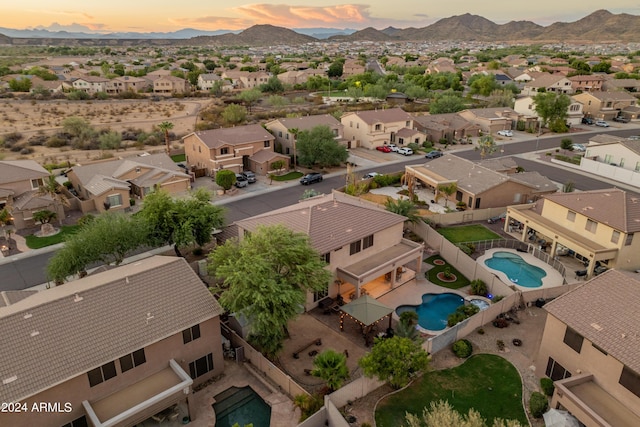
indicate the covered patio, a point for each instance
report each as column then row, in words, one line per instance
column 368, row 313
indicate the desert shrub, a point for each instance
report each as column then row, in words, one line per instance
column 566, row 143
column 387, row 180
column 538, row 404
column 478, row 287
column 498, row 298
column 55, row 141
column 67, row 184
column 467, row 248
column 415, row 147
column 85, row 219
column 26, row 150
column 462, row 348
column 500, row 345
column 12, row 138
column 463, row 312
column 77, row 95
column 427, row 144
column 481, row 331
column 37, row 140
column 546, row 384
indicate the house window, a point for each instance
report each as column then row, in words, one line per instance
column 628, row 240
column 401, row 141
column 571, row 216
column 378, row 126
column 191, row 334
column 350, row 124
column 132, row 360
column 101, row 374
column 267, row 144
column 637, row 168
column 114, row 200
column 279, row 134
column 367, row 242
column 355, row 247
column 417, row 140
column 326, row 257
column 574, row 108
column 615, row 236
column 224, row 150
column 608, row 158
column 318, row 295
column 591, row 226
column 630, row 380
column 78, row 422
column 36, row 183
column 199, row 149
column 201, row 366
column 335, row 132
column 407, row 124
column 573, row 339
column 556, row 371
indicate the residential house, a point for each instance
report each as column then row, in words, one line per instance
column 629, row 85
column 109, row 185
column 358, row 252
column 526, row 106
column 51, row 86
column 450, row 127
column 441, row 65
column 589, row 349
column 597, row 227
column 20, row 184
column 208, row 81
column 352, row 67
column 613, row 158
column 171, row 84
column 480, row 186
column 515, row 61
column 556, row 83
column 373, row 128
column 285, row 130
column 90, row 84
column 587, row 82
column 299, row 77
column 246, row 79
column 605, row 105
column 123, row 84
column 249, row 147
column 491, row 120
column 111, row 349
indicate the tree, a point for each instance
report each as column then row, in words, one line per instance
column 277, row 165
column 273, row 85
column 406, row 327
column 318, row 147
column 442, row 414
column 225, row 179
column 81, row 131
column 50, row 187
column 446, row 104
column 551, row 106
column 180, row 222
column 265, row 276
column 44, row 216
column 110, row 140
column 331, row 366
column 250, row 96
column 165, row 127
column 394, row 360
column 234, row 114
column 500, row 98
column 487, row 146
column 336, row 68
column 22, row 84
column 481, row 84
column 448, row 190
column 404, row 207
column 566, row 144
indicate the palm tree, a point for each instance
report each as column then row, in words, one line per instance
column 44, row 216
column 51, row 187
column 487, row 146
column 165, row 127
column 5, row 218
column 331, row 366
column 406, row 328
column 448, row 190
column 404, row 207
column 294, row 133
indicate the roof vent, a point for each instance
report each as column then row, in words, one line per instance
column 77, row 298
column 596, row 326
column 27, row 316
column 149, row 317
column 35, row 333
column 126, row 280
column 9, row 380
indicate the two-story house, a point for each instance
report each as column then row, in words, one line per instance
column 357, row 251
column 90, row 84
column 556, row 83
column 110, row 349
column 206, row 81
column 491, row 120
column 20, row 184
column 590, row 348
column 374, row 128
column 171, row 84
column 285, row 130
column 239, row 148
column 597, row 227
column 605, row 105
column 448, row 126
column 124, row 84
column 587, row 82
column 526, row 106
column 352, row 67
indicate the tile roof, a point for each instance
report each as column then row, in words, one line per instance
column 60, row 333
column 605, row 311
column 32, row 200
column 384, row 116
column 613, row 207
column 266, row 155
column 308, row 122
column 331, row 221
column 237, row 135
column 20, row 170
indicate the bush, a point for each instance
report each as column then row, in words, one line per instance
column 461, row 313
column 546, row 384
column 498, row 298
column 478, row 287
column 566, row 144
column 427, row 144
column 415, row 147
column 538, row 404
column 462, row 348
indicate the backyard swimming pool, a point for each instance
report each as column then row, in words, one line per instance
column 516, row 269
column 243, row 406
column 434, row 310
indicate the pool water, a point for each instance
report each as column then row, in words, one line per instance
column 242, row 406
column 517, row 269
column 434, row 310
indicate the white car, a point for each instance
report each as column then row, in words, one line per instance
column 602, row 123
column 370, row 175
column 505, row 132
column 405, row 151
column 578, row 147
column 393, row 147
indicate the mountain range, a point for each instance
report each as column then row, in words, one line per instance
column 599, row 27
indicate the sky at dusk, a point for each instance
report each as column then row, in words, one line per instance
column 172, row 15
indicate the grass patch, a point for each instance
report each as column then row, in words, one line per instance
column 179, row 158
column 35, row 242
column 468, row 233
column 487, row 383
column 287, row 176
column 432, row 274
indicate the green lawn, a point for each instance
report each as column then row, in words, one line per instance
column 468, row 233
column 179, row 158
column 35, row 242
column 287, row 177
column 432, row 274
column 488, row 383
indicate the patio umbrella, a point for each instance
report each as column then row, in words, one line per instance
column 558, row 418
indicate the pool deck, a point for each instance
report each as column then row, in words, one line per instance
column 552, row 279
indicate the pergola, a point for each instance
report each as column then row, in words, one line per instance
column 365, row 311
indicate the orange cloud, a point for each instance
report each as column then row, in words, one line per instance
column 306, row 16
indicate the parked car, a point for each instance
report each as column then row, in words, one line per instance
column 393, row 147
column 383, row 148
column 587, row 121
column 310, row 178
column 602, row 123
column 505, row 132
column 405, row 151
column 634, row 138
column 621, row 119
column 249, row 176
column 241, row 181
column 578, row 147
column 433, row 154
column 370, row 175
